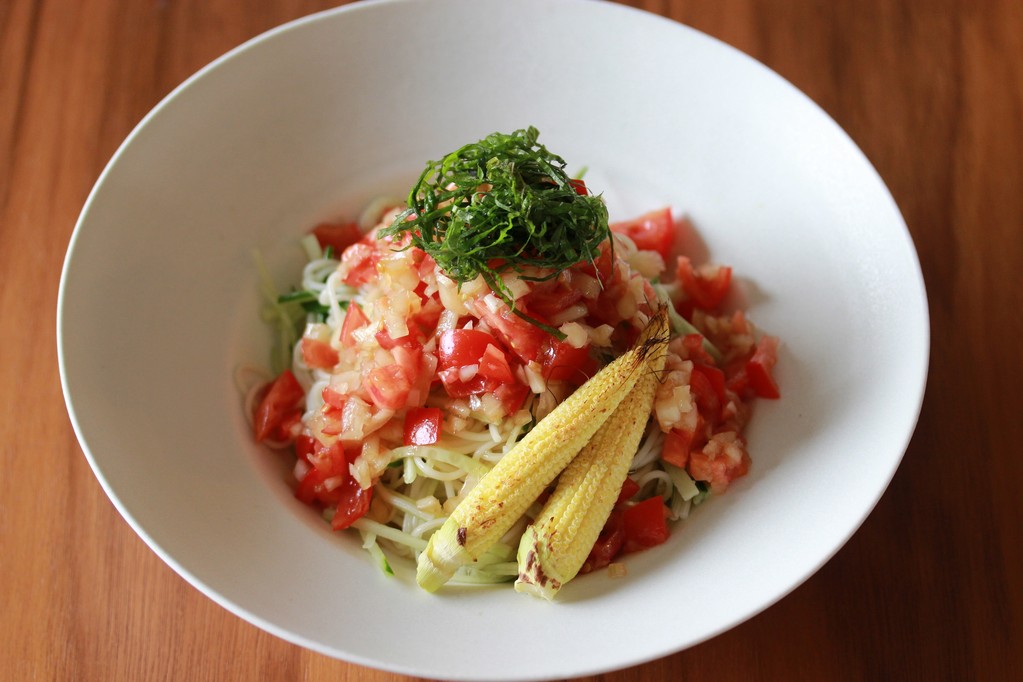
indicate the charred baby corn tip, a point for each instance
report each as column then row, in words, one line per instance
column 502, row 496
column 439, row 561
column 554, row 548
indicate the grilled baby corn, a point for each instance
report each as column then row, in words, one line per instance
column 503, row 495
column 554, row 547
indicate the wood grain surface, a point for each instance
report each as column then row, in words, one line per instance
column 931, row 586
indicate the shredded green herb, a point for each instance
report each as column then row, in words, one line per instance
column 503, row 203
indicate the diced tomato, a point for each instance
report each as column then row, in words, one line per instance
column 547, row 299
column 410, row 340
column 563, row 362
column 409, row 359
column 332, row 397
column 524, row 339
column 389, row 386
column 693, row 345
column 602, row 268
column 461, row 347
column 354, row 319
column 512, row 395
column 708, row 386
column 760, row 367
column 653, row 231
column 318, row 354
column 717, row 471
column 608, row 545
column 279, row 408
column 579, row 186
column 645, row 524
column 422, row 426
column 706, row 287
column 456, row 387
column 494, row 365
column 353, row 503
column 676, row 448
column 629, row 488
column 304, row 444
column 338, row 236
column 359, row 263
column 321, row 482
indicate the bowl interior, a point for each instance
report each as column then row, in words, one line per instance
column 159, row 305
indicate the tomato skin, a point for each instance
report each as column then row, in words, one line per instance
column 705, row 290
column 318, row 354
column 759, row 369
column 278, row 409
column 422, row 426
column 645, row 524
column 354, row 319
column 338, row 236
column 653, row 231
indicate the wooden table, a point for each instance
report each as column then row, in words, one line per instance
column 931, row 587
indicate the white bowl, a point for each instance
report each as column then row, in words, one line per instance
column 159, row 304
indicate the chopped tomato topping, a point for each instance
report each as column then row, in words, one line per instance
column 563, row 362
column 332, row 397
column 707, row 385
column 354, row 319
column 318, row 354
column 353, row 503
column 359, row 263
column 462, row 347
column 760, row 366
column 629, row 488
column 645, row 524
column 279, row 408
column 706, row 286
column 389, row 386
column 512, row 395
column 338, row 236
column 608, row 545
column 524, row 339
column 422, row 426
column 653, row 231
column 322, row 481
column 676, row 448
column 494, row 365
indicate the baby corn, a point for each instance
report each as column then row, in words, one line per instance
column 555, row 546
column 503, row 495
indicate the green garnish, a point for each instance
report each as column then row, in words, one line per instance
column 503, row 203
